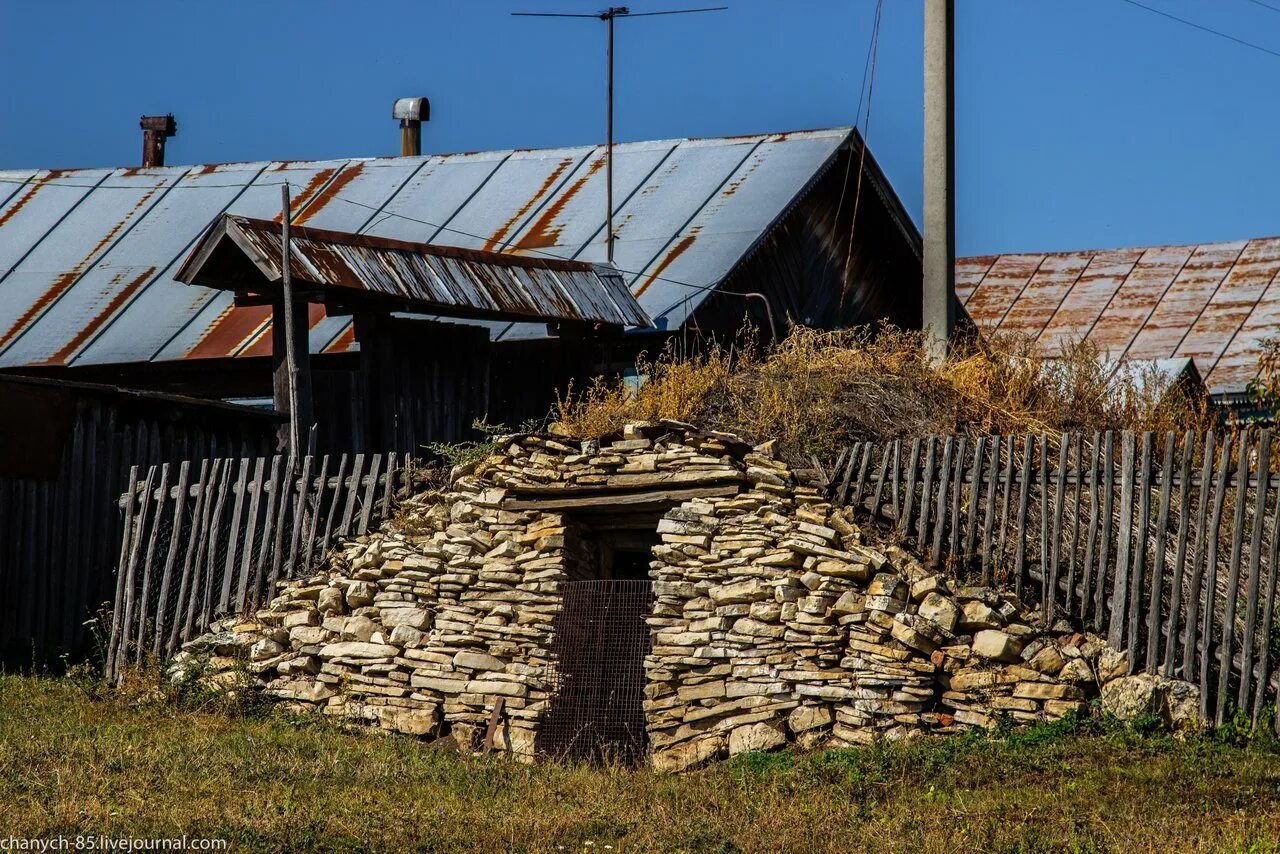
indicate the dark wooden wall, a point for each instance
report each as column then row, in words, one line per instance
column 65, row 454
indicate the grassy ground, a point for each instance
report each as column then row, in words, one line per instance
column 72, row 763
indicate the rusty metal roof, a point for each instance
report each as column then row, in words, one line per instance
column 88, row 257
column 1213, row 303
column 417, row 277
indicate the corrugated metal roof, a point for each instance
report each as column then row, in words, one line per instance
column 88, row 257
column 417, row 277
column 1213, row 303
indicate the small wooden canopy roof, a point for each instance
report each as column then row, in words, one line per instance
column 356, row 270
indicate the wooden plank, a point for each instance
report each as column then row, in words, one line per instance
column 135, row 555
column 117, row 603
column 1074, row 537
column 390, row 487
column 880, row 481
column 638, row 499
column 856, row 498
column 370, row 491
column 1100, row 598
column 334, row 508
column 992, row 475
column 302, row 484
column 1004, row 503
column 1095, row 498
column 926, row 494
column 1059, row 496
column 1137, row 571
column 1180, row 554
column 207, row 602
column 1232, row 592
column 321, row 484
column 348, row 511
column 975, row 495
column 1255, row 570
column 1104, row 536
column 940, row 517
column 74, row 605
column 894, row 492
column 149, row 570
column 909, row 497
column 192, row 541
column 163, row 609
column 1211, row 575
column 1189, row 667
column 850, row 466
column 93, row 508
column 1268, row 614
column 1156, row 598
column 247, row 561
column 1020, row 546
column 833, row 482
column 1120, row 589
column 957, row 487
column 233, row 537
column 1046, row 512
column 272, row 537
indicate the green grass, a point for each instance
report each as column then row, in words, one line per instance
column 72, row 762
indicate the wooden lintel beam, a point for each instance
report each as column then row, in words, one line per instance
column 648, row 498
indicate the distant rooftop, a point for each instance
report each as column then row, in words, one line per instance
column 88, row 256
column 1213, row 303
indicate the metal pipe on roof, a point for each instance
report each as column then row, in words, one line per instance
column 155, row 130
column 411, row 112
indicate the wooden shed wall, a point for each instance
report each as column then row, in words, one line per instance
column 65, row 454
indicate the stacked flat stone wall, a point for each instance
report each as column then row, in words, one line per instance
column 774, row 621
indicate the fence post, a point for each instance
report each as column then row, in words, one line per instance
column 126, row 544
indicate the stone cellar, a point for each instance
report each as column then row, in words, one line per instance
column 665, row 594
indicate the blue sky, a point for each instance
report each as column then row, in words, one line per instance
column 1080, row 123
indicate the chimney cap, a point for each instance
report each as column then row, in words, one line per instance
column 165, row 124
column 411, row 109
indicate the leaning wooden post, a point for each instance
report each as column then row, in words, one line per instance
column 291, row 383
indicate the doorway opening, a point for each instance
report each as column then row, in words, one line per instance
column 600, row 640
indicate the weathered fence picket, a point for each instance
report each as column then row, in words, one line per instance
column 1169, row 548
column 196, row 551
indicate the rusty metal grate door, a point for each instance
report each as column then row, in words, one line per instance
column 596, row 710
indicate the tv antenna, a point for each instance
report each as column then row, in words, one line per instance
column 609, row 16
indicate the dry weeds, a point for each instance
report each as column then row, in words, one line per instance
column 817, row 391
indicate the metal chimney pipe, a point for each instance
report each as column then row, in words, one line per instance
column 411, row 112
column 155, row 130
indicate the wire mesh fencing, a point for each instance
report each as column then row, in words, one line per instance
column 596, row 705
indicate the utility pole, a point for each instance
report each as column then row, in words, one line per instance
column 937, row 305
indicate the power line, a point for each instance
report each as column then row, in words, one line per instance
column 1265, row 5
column 1205, row 29
column 862, row 157
column 857, row 115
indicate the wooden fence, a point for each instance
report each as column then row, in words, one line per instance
column 1166, row 545
column 211, row 538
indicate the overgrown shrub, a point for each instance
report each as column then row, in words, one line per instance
column 817, row 391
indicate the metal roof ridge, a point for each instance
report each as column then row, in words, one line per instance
column 732, row 138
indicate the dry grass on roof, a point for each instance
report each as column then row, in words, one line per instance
column 816, row 391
